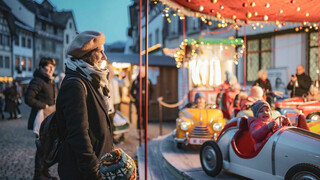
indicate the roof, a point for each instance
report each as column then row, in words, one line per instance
column 4, row 7
column 154, row 60
column 62, row 17
column 22, row 25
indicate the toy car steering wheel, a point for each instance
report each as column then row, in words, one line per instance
column 281, row 118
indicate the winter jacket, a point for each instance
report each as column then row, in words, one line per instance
column 259, row 131
column 11, row 96
column 304, row 83
column 134, row 91
column 41, row 91
column 83, row 117
column 265, row 85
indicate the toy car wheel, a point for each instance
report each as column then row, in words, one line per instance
column 303, row 171
column 181, row 145
column 211, row 158
column 314, row 116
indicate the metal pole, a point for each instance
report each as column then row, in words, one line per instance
column 183, row 68
column 146, row 81
column 140, row 78
column 245, row 58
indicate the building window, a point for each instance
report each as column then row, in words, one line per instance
column 17, row 41
column 173, row 26
column 17, row 63
column 67, row 38
column 259, row 57
column 54, row 48
column 29, row 43
column 43, row 45
column 29, row 64
column 1, row 61
column 150, row 40
column 4, row 40
column 7, row 62
column 23, row 42
column 313, row 56
column 70, row 25
column 157, row 36
column 55, row 29
column 192, row 24
column 43, row 26
column 23, row 63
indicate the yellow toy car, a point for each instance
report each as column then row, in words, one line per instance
column 195, row 126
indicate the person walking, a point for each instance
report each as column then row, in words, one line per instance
column 82, row 109
column 300, row 83
column 41, row 97
column 135, row 93
column 11, row 96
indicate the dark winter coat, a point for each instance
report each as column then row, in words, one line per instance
column 265, row 85
column 41, row 91
column 304, row 83
column 11, row 96
column 83, row 115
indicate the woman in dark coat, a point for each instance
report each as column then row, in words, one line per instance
column 82, row 110
column 11, row 97
column 41, row 95
column 265, row 84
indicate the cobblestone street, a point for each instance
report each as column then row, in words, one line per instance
column 18, row 148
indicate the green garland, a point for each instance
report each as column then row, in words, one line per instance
column 237, row 41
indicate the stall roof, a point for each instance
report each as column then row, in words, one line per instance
column 154, row 60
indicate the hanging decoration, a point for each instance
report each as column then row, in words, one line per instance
column 191, row 48
column 294, row 13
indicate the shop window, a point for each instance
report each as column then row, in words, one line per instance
column 258, row 57
column 23, row 63
column 7, row 62
column 29, row 64
column 313, row 56
column 17, row 63
column 1, row 61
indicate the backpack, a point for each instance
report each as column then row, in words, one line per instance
column 50, row 141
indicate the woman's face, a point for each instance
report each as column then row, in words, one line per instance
column 98, row 56
column 264, row 113
column 264, row 76
column 49, row 69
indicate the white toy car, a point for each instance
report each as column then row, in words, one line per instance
column 290, row 153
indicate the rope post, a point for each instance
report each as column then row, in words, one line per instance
column 160, row 117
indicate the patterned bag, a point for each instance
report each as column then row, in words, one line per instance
column 117, row 165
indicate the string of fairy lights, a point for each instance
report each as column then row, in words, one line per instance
column 173, row 10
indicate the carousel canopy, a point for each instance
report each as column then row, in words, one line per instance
column 300, row 11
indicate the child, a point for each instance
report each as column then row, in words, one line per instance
column 262, row 125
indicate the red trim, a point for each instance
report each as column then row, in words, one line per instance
column 227, row 126
column 243, row 142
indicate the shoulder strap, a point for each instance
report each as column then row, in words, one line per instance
column 80, row 80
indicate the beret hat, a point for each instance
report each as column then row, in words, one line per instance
column 85, row 42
